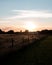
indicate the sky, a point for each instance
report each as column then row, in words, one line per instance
column 25, row 14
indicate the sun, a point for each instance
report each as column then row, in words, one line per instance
column 30, row 26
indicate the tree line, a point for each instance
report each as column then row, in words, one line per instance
column 47, row 32
column 26, row 31
column 12, row 32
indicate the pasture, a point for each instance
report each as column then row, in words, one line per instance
column 12, row 42
column 38, row 53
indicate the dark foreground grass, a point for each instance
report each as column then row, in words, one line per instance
column 39, row 53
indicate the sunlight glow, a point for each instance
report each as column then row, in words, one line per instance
column 30, row 26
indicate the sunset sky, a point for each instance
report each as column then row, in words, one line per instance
column 19, row 15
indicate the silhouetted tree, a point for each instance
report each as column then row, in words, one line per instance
column 44, row 31
column 10, row 32
column 20, row 31
column 26, row 31
column 1, row 32
column 47, row 32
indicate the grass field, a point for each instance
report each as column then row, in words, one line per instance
column 6, row 41
column 12, row 42
column 39, row 53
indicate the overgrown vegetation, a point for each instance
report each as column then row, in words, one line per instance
column 26, row 48
column 38, row 53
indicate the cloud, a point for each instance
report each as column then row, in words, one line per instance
column 40, row 18
column 20, row 14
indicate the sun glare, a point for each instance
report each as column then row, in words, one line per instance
column 30, row 26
